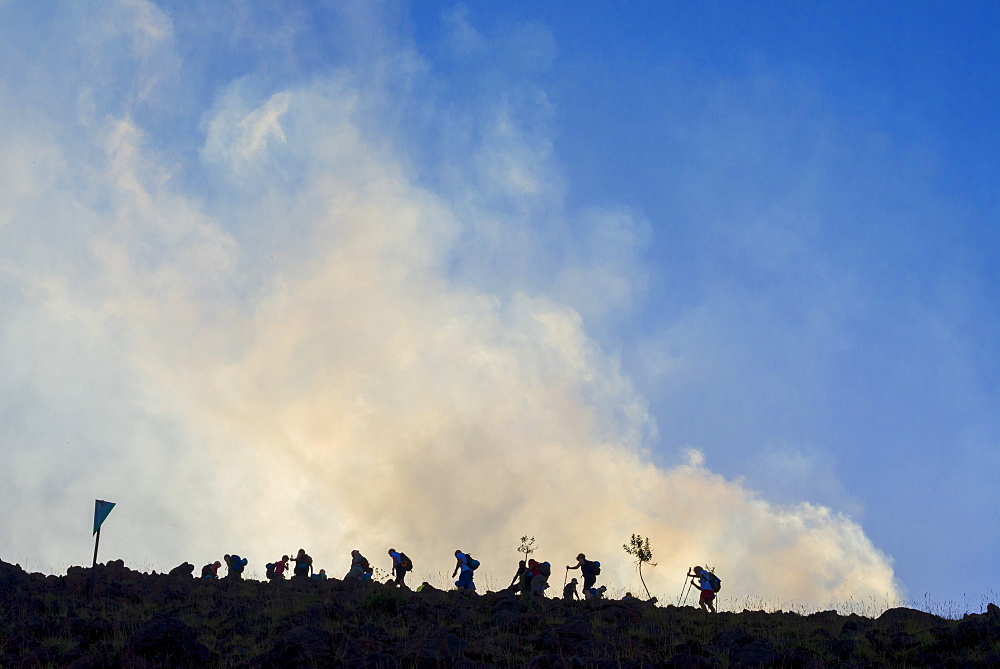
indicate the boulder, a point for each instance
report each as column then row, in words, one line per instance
column 757, row 653
column 170, row 640
column 974, row 630
column 184, row 569
column 304, row 645
column 907, row 620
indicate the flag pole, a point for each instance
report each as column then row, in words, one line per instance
column 93, row 569
column 101, row 511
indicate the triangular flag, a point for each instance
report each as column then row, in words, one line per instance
column 101, row 511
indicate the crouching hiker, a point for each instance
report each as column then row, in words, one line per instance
column 303, row 564
column 590, row 569
column 276, row 570
column 596, row 593
column 359, row 567
column 709, row 584
column 629, row 597
column 517, row 583
column 400, row 565
column 569, row 591
column 211, row 570
column 467, row 565
column 235, row 565
column 540, row 572
column 531, row 569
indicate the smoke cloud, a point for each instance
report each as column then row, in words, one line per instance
column 290, row 338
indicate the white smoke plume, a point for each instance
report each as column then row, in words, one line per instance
column 293, row 341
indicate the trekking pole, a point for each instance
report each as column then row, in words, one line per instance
column 688, row 593
column 565, row 576
column 685, row 588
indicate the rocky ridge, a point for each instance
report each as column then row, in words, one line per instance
column 134, row 619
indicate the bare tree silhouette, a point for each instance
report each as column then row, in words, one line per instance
column 639, row 548
column 527, row 546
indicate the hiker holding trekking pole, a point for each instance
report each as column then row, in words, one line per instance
column 709, row 584
column 591, row 569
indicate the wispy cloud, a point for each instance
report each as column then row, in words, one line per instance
column 315, row 347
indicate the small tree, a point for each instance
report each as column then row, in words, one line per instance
column 639, row 548
column 527, row 546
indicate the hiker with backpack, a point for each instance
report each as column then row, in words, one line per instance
column 596, row 593
column 234, row 566
column 540, row 572
column 303, row 564
column 211, row 570
column 359, row 566
column 590, row 569
column 467, row 564
column 709, row 584
column 400, row 565
column 276, row 570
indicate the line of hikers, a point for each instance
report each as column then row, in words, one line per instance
column 532, row 576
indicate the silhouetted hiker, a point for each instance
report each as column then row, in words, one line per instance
column 235, row 565
column 359, row 567
column 596, row 593
column 590, row 569
column 400, row 565
column 528, row 576
column 303, row 564
column 537, row 577
column 321, row 575
column 516, row 584
column 467, row 564
column 569, row 591
column 709, row 584
column 211, row 570
column 276, row 570
column 540, row 578
column 629, row 597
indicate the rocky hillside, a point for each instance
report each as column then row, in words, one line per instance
column 159, row 620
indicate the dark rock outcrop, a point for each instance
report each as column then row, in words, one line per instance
column 183, row 569
column 159, row 620
column 169, row 639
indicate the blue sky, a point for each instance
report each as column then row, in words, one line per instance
column 817, row 180
column 727, row 267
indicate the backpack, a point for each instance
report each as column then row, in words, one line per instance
column 545, row 569
column 404, row 562
column 236, row 564
column 206, row 570
column 714, row 582
column 270, row 569
column 471, row 562
column 592, row 568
